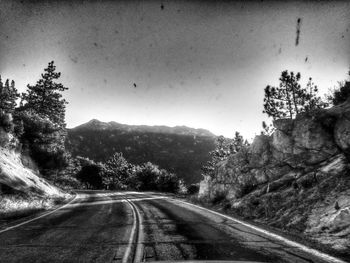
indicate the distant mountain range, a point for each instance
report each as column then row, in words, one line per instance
column 179, row 149
column 180, row 130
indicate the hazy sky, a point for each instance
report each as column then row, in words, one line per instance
column 202, row 64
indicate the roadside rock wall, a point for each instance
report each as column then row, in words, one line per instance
column 295, row 177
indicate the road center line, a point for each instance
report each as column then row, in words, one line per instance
column 133, row 252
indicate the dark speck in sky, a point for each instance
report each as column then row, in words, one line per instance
column 134, row 85
column 162, row 6
column 298, row 31
column 95, row 44
column 306, row 59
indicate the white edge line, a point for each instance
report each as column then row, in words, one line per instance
column 36, row 218
column 275, row 236
column 128, row 249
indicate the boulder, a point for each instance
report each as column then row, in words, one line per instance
column 204, row 187
column 308, row 143
column 281, row 146
column 342, row 135
column 312, row 143
column 284, row 125
column 259, row 151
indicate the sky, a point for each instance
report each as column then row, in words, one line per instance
column 203, row 64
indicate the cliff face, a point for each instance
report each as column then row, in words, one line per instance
column 298, row 178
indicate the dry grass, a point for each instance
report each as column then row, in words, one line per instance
column 16, row 206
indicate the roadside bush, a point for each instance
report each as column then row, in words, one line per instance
column 43, row 139
column 246, row 189
column 6, row 122
column 167, row 182
column 193, row 189
column 218, row 197
column 91, row 175
column 341, row 94
column 149, row 177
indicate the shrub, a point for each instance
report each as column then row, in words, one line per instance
column 92, row 175
column 43, row 139
column 167, row 182
column 341, row 94
column 218, row 197
column 246, row 189
column 193, row 189
column 6, row 122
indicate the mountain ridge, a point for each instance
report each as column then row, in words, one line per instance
column 95, row 124
column 178, row 149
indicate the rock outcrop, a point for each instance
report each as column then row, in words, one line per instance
column 293, row 178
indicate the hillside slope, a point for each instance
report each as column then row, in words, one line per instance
column 297, row 179
column 179, row 149
column 15, row 175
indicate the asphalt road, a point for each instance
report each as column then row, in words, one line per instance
column 132, row 227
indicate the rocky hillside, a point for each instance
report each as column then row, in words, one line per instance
column 297, row 179
column 18, row 172
column 179, row 149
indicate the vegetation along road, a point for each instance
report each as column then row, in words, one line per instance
column 101, row 226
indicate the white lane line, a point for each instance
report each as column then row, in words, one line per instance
column 36, row 218
column 312, row 251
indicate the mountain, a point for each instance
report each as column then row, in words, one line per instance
column 180, row 130
column 179, row 149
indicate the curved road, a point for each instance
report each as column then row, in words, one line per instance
column 132, row 227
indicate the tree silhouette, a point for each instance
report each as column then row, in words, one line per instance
column 290, row 99
column 45, row 98
column 224, row 147
column 341, row 94
column 8, row 96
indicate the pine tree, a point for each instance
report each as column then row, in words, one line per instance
column 310, row 99
column 8, row 96
column 290, row 99
column 45, row 97
column 340, row 94
column 223, row 149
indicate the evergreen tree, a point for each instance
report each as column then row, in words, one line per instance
column 118, row 171
column 8, row 96
column 341, row 94
column 224, row 147
column 290, row 99
column 310, row 100
column 45, row 97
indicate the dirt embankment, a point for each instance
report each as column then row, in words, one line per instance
column 22, row 190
